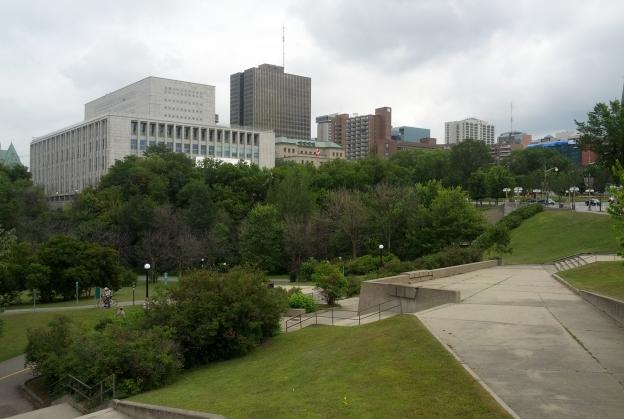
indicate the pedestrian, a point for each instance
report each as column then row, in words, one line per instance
column 107, row 296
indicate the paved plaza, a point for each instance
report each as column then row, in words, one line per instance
column 537, row 345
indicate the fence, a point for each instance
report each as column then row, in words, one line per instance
column 335, row 314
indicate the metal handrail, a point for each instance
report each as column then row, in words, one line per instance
column 89, row 393
column 300, row 319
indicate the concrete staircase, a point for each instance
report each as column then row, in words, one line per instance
column 574, row 261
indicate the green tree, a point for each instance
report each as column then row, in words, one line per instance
column 467, row 157
column 496, row 179
column 349, row 216
column 477, row 185
column 261, row 239
column 331, row 281
column 604, row 132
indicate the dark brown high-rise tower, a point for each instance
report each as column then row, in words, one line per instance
column 266, row 97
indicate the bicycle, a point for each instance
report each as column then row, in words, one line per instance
column 100, row 303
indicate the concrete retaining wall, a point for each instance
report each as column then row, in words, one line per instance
column 611, row 306
column 148, row 411
column 408, row 289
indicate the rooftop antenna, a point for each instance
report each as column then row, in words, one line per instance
column 283, row 46
column 510, row 117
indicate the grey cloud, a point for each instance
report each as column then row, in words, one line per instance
column 399, row 34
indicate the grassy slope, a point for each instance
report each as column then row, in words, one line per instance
column 605, row 278
column 13, row 340
column 391, row 368
column 551, row 235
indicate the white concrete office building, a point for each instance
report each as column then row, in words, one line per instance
column 457, row 131
column 158, row 98
column 66, row 161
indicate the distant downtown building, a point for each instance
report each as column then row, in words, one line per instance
column 124, row 123
column 457, row 131
column 359, row 135
column 508, row 142
column 9, row 157
column 265, row 97
column 404, row 133
column 307, row 151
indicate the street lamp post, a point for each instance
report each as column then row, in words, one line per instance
column 545, row 188
column 381, row 247
column 147, row 267
column 342, row 265
column 517, row 191
column 573, row 190
column 507, row 190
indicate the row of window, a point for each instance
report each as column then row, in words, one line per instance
column 179, row 91
column 161, row 130
column 197, row 149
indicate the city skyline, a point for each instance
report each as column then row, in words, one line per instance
column 553, row 61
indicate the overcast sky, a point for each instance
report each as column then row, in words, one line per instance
column 430, row 60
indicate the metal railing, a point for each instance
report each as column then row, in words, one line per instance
column 88, row 396
column 334, row 315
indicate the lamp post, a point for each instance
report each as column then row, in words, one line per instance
column 381, row 247
column 573, row 190
column 342, row 265
column 147, row 267
column 546, row 191
column 517, row 191
column 507, row 190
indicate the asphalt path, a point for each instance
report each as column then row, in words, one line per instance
column 12, row 375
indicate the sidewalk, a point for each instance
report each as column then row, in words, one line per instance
column 12, row 374
column 64, row 308
column 538, row 346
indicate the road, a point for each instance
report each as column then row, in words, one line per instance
column 65, row 308
column 542, row 349
column 12, row 374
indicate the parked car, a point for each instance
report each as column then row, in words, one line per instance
column 593, row 202
column 547, row 202
column 613, row 200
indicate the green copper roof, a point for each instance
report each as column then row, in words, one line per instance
column 9, row 157
column 312, row 143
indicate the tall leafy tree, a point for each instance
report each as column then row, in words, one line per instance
column 261, row 238
column 603, row 132
column 467, row 157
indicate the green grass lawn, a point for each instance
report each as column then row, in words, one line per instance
column 392, row 369
column 13, row 340
column 548, row 236
column 605, row 278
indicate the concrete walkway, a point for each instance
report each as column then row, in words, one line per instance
column 537, row 345
column 12, row 374
column 10, row 312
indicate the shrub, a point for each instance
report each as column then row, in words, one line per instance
column 353, row 286
column 330, row 279
column 450, row 256
column 141, row 359
column 496, row 238
column 306, row 270
column 368, row 263
column 219, row 316
column 515, row 218
column 300, row 300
